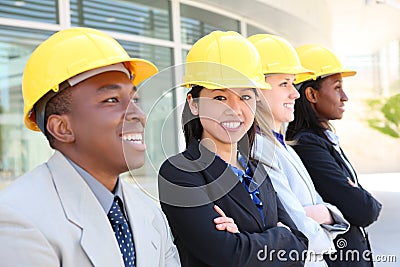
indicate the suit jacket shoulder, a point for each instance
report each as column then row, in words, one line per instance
column 58, row 221
column 151, row 233
column 54, row 211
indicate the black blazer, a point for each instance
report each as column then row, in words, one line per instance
column 329, row 173
column 191, row 183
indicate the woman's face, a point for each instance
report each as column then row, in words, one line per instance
column 281, row 98
column 330, row 98
column 225, row 114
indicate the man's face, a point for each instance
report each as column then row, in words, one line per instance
column 107, row 123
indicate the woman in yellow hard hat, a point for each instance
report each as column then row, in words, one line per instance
column 223, row 70
column 322, row 99
column 290, row 178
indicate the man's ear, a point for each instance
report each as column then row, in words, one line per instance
column 59, row 126
column 193, row 105
column 311, row 94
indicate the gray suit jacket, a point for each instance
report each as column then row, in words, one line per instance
column 295, row 188
column 50, row 217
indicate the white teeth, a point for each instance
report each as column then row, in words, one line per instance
column 287, row 105
column 231, row 125
column 136, row 138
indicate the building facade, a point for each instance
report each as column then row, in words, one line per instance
column 161, row 31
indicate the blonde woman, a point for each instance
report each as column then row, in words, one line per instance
column 319, row 221
column 215, row 169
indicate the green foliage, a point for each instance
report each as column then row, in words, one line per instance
column 387, row 119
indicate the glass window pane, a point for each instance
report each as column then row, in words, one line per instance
column 251, row 30
column 158, row 55
column 32, row 10
column 138, row 18
column 196, row 22
column 157, row 101
column 20, row 149
column 184, row 54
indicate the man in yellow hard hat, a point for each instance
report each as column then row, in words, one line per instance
column 74, row 210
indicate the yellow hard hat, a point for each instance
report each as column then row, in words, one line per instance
column 322, row 61
column 224, row 60
column 68, row 53
column 277, row 55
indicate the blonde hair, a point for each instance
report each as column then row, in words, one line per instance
column 265, row 119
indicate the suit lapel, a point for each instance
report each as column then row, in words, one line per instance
column 224, row 180
column 348, row 166
column 297, row 165
column 242, row 198
column 82, row 209
column 279, row 156
column 146, row 239
column 265, row 151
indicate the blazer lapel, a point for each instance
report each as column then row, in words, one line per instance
column 261, row 178
column 82, row 209
column 265, row 152
column 272, row 154
column 224, row 180
column 348, row 166
column 242, row 198
column 297, row 165
column 146, row 238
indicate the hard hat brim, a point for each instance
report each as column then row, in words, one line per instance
column 142, row 69
column 213, row 86
column 291, row 70
column 344, row 72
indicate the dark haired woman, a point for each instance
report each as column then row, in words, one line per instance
column 321, row 100
column 215, row 169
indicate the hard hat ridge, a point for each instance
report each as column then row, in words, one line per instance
column 224, row 60
column 68, row 53
column 277, row 55
column 322, row 61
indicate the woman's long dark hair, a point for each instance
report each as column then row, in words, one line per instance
column 191, row 124
column 192, row 127
column 305, row 118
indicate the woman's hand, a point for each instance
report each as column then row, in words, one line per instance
column 279, row 224
column 224, row 223
column 319, row 213
column 351, row 182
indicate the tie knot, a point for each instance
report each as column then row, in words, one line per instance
column 251, row 185
column 115, row 214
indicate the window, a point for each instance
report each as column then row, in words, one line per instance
column 138, row 18
column 157, row 101
column 251, row 30
column 195, row 23
column 32, row 10
column 20, row 149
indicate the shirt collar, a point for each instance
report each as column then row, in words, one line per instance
column 280, row 138
column 103, row 195
column 332, row 137
column 239, row 173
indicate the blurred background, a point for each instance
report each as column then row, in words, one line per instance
column 363, row 33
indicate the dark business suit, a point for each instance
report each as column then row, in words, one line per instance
column 207, row 180
column 329, row 173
